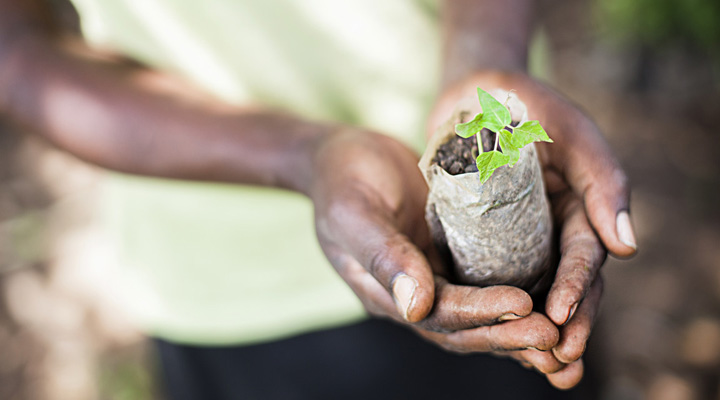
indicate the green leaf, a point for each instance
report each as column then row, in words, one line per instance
column 489, row 161
column 529, row 132
column 470, row 128
column 495, row 115
column 508, row 147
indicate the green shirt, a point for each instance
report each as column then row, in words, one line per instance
column 229, row 264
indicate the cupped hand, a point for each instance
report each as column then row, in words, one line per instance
column 589, row 196
column 369, row 198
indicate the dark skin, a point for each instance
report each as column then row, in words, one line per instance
column 147, row 122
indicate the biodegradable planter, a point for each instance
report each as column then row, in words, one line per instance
column 500, row 232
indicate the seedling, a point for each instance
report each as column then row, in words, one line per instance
column 497, row 234
column 495, row 116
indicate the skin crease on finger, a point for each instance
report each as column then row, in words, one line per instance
column 574, row 335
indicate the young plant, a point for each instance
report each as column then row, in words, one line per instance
column 496, row 117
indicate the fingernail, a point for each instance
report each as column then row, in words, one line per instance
column 403, row 291
column 571, row 313
column 625, row 230
column 509, row 317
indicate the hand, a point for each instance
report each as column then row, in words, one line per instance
column 369, row 198
column 588, row 192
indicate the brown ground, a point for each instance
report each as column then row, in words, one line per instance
column 61, row 336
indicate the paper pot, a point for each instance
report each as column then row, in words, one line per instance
column 500, row 232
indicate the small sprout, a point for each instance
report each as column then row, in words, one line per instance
column 496, row 117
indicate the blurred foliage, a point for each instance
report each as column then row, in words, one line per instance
column 26, row 237
column 659, row 23
column 126, row 379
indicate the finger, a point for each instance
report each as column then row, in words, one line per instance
column 456, row 307
column 567, row 377
column 581, row 257
column 596, row 176
column 543, row 361
column 574, row 335
column 374, row 297
column 392, row 259
column 463, row 307
column 534, row 331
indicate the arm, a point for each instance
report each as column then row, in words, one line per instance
column 146, row 122
column 485, row 35
column 486, row 45
column 137, row 120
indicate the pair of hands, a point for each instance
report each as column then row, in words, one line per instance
column 369, row 198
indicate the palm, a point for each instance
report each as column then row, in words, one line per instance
column 370, row 183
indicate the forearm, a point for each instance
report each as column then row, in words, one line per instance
column 485, row 35
column 141, row 121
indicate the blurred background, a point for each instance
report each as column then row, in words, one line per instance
column 648, row 71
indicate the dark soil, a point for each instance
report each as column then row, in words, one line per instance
column 457, row 155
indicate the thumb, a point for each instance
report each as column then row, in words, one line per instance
column 389, row 256
column 595, row 175
column 606, row 196
column 403, row 269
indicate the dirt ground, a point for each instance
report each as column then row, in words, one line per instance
column 63, row 337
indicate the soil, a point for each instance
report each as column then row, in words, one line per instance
column 457, row 156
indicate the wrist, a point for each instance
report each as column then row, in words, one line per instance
column 485, row 35
column 302, row 146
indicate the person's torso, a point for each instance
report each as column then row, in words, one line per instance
column 212, row 263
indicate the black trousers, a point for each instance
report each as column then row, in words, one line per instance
column 371, row 360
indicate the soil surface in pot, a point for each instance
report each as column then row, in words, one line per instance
column 457, row 155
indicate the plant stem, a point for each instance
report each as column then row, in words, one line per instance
column 508, row 98
column 481, row 149
column 497, row 140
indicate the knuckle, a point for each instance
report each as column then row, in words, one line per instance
column 569, row 354
column 379, row 262
column 383, row 261
column 567, row 290
column 579, row 259
column 580, row 243
column 337, row 210
column 621, row 180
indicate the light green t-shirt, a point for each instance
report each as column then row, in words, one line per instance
column 229, row 264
